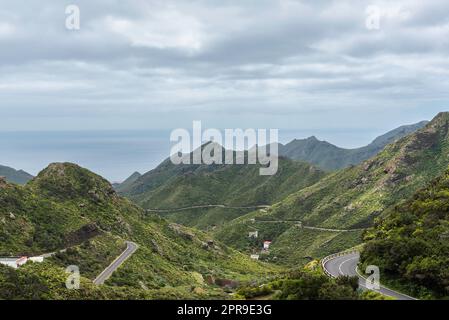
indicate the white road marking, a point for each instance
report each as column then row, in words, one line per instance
column 341, row 264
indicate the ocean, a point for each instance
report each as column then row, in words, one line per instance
column 115, row 155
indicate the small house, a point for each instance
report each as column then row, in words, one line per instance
column 253, row 234
column 37, row 259
column 266, row 245
column 14, row 262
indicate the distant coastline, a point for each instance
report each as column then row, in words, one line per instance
column 116, row 154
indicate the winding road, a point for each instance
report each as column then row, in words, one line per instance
column 307, row 227
column 207, row 206
column 346, row 264
column 131, row 247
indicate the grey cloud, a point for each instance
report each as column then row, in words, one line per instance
column 262, row 60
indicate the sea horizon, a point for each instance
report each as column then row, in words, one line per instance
column 116, row 154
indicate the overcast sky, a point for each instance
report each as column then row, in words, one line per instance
column 255, row 63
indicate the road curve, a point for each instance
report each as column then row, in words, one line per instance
column 131, row 247
column 347, row 265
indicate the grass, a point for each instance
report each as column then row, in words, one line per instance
column 67, row 206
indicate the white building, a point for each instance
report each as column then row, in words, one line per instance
column 253, row 234
column 14, row 262
column 266, row 245
column 37, row 259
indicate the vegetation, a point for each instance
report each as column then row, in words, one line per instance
column 304, row 285
column 92, row 256
column 410, row 244
column 66, row 206
column 292, row 244
column 125, row 185
column 352, row 198
column 79, row 217
column 45, row 281
column 179, row 186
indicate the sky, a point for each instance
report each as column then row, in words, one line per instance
column 302, row 65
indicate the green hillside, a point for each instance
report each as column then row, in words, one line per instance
column 125, row 185
column 352, row 198
column 46, row 281
column 330, row 157
column 66, row 206
column 411, row 242
column 179, row 186
column 15, row 176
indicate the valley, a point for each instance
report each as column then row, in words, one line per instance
column 219, row 231
column 351, row 198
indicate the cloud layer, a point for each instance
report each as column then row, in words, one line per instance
column 276, row 64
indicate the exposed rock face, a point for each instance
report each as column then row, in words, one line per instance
column 178, row 229
column 156, row 248
column 3, row 182
column 86, row 232
column 227, row 283
column 123, row 224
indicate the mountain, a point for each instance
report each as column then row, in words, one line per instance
column 348, row 199
column 171, row 186
column 77, row 215
column 127, row 183
column 68, row 207
column 330, row 157
column 411, row 242
column 15, row 176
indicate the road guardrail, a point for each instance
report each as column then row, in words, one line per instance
column 332, row 256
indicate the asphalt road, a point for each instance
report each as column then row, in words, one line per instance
column 347, row 264
column 131, row 247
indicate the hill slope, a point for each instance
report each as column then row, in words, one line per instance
column 330, row 157
column 15, row 176
column 178, row 186
column 125, row 185
column 66, row 206
column 351, row 198
column 411, row 241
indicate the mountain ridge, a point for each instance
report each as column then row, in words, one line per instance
column 175, row 186
column 351, row 198
column 15, row 176
column 331, row 157
column 69, row 207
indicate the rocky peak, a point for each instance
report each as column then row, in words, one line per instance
column 3, row 182
column 68, row 180
column 439, row 123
